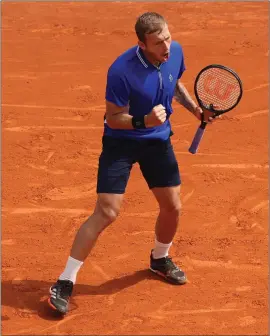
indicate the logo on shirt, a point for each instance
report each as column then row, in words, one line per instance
column 171, row 78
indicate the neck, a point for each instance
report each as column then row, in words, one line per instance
column 151, row 59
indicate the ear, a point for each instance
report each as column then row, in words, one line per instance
column 141, row 45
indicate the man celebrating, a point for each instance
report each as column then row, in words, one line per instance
column 141, row 84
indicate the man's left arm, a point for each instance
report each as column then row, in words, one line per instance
column 182, row 96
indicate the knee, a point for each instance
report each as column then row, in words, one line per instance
column 172, row 209
column 107, row 213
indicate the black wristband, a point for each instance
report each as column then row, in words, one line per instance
column 138, row 122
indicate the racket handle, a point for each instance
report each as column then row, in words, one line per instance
column 196, row 140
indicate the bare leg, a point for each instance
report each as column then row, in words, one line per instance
column 106, row 211
column 168, row 218
column 166, row 227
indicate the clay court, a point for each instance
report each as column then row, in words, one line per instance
column 55, row 58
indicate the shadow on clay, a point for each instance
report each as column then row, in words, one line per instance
column 32, row 295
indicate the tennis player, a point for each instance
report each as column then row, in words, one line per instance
column 141, row 84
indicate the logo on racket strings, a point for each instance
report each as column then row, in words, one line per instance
column 218, row 87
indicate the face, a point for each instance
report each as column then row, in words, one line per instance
column 157, row 45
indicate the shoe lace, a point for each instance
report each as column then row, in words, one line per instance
column 170, row 264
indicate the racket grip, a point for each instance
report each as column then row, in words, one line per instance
column 196, row 140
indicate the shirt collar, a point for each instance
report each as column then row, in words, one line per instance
column 144, row 60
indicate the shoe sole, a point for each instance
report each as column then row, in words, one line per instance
column 167, row 279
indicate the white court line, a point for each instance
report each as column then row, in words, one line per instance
column 201, row 154
column 233, row 166
column 200, row 311
column 26, row 211
column 253, row 114
column 70, row 211
column 180, row 125
column 257, row 87
column 21, row 76
column 34, row 128
column 92, row 108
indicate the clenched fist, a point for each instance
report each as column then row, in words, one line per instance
column 156, row 117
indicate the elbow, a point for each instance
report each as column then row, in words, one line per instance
column 177, row 95
column 111, row 123
column 177, row 98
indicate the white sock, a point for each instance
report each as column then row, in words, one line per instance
column 71, row 270
column 161, row 250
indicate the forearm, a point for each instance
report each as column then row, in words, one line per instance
column 125, row 121
column 119, row 117
column 182, row 96
column 120, row 121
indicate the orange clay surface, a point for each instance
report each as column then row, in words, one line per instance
column 55, row 59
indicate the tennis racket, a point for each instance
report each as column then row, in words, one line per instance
column 217, row 89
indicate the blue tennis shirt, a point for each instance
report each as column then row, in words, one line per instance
column 133, row 81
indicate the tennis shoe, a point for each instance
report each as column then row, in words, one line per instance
column 167, row 269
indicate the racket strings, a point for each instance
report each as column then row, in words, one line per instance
column 218, row 87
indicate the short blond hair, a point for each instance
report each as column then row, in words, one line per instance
column 148, row 23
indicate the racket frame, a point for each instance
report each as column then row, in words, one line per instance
column 200, row 131
column 211, row 108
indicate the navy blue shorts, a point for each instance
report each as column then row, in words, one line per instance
column 156, row 159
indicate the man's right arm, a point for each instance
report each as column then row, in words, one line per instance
column 117, row 105
column 119, row 118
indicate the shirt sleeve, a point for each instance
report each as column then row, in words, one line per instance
column 117, row 89
column 182, row 66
